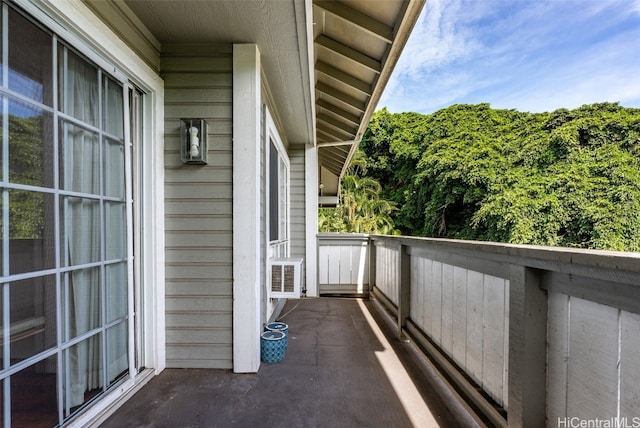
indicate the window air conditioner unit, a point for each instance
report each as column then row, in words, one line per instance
column 285, row 278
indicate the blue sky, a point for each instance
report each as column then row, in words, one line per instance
column 528, row 55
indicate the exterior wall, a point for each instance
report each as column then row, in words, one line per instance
column 198, row 209
column 298, row 219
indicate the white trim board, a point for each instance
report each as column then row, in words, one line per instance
column 246, row 208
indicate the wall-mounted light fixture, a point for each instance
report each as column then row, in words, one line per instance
column 193, row 141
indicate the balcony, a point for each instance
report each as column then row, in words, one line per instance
column 528, row 336
column 342, row 368
column 457, row 333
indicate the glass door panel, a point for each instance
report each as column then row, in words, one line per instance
column 117, row 353
column 34, row 395
column 33, row 317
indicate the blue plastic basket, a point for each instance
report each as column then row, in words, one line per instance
column 272, row 346
column 282, row 327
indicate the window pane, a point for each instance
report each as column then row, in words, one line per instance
column 117, row 364
column 82, row 301
column 34, row 395
column 2, row 335
column 30, row 145
column 2, row 131
column 1, row 83
column 78, row 87
column 81, row 227
column 33, row 317
column 83, row 366
column 274, row 215
column 116, row 285
column 115, row 241
column 113, row 112
column 114, row 169
column 79, row 159
column 31, row 231
column 7, row 380
column 30, row 59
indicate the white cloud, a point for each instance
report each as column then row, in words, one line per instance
column 603, row 72
column 533, row 56
column 439, row 40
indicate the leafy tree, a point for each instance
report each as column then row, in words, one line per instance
column 567, row 178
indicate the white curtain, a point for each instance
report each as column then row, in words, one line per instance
column 84, row 218
column 82, row 235
column 82, row 225
column 115, row 230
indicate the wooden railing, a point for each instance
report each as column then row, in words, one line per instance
column 343, row 264
column 530, row 336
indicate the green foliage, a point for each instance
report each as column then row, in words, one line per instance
column 565, row 178
column 361, row 210
column 26, row 166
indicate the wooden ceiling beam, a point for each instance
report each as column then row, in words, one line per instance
column 357, row 18
column 350, row 53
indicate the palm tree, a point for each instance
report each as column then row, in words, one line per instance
column 361, row 210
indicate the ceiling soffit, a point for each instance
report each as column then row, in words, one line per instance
column 356, row 45
column 281, row 29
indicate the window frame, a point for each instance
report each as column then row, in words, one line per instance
column 90, row 36
column 280, row 246
column 140, row 316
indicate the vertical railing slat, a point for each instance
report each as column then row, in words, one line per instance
column 404, row 289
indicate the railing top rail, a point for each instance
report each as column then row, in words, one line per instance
column 340, row 234
column 334, row 236
column 599, row 259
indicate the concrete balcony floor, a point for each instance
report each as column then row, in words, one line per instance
column 344, row 368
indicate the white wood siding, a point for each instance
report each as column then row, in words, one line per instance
column 593, row 366
column 298, row 219
column 198, row 209
column 387, row 272
column 343, row 265
column 465, row 313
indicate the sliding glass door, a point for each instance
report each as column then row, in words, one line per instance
column 66, row 226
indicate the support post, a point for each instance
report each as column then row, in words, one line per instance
column 404, row 290
column 527, row 349
column 371, row 247
column 246, row 208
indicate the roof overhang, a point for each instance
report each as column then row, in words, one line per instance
column 326, row 61
column 281, row 29
column 357, row 45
